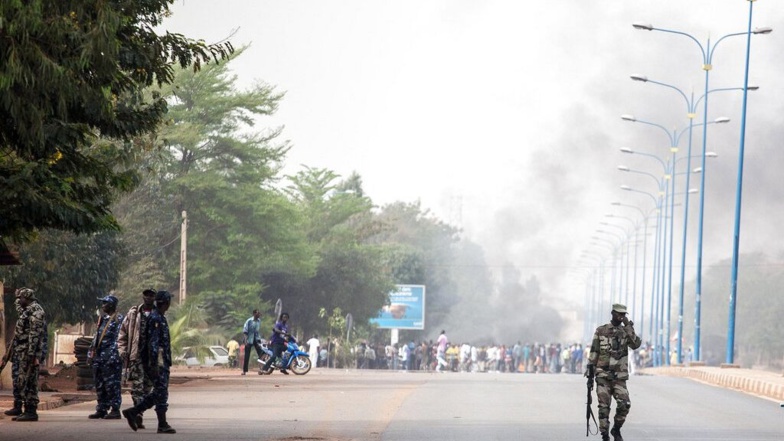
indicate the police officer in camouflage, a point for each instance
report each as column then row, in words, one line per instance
column 608, row 364
column 156, row 360
column 29, row 346
column 106, row 361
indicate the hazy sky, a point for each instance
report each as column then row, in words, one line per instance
column 502, row 117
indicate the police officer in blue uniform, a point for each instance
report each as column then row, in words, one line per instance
column 106, row 362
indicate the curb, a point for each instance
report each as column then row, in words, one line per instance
column 761, row 383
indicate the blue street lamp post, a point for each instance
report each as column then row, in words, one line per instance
column 645, row 218
column 691, row 109
column 669, row 170
column 738, row 193
column 707, row 60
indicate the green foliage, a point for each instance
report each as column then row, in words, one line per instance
column 758, row 324
column 188, row 328
column 72, row 103
column 68, row 272
column 337, row 222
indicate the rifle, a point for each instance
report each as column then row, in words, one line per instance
column 589, row 411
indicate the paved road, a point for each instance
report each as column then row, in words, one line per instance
column 392, row 406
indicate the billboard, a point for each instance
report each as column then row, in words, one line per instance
column 406, row 309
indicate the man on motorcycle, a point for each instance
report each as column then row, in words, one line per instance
column 280, row 332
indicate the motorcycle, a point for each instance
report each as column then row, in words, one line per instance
column 293, row 359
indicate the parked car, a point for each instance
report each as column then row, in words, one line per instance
column 219, row 358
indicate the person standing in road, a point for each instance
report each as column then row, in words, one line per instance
column 251, row 338
column 134, row 325
column 8, row 356
column 441, row 345
column 29, row 349
column 232, row 346
column 156, row 360
column 106, row 362
column 608, row 363
column 280, row 333
column 313, row 349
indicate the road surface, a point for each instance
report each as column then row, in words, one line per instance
column 394, row 406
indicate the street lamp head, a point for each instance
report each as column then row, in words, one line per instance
column 628, row 118
column 711, row 155
column 642, row 26
column 627, row 150
column 642, row 78
column 721, row 120
column 752, row 87
column 623, row 168
column 615, row 203
column 626, row 187
column 697, row 170
column 762, row 31
column 693, row 190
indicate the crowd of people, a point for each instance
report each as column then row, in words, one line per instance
column 466, row 357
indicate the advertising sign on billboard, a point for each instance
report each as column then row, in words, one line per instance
column 406, row 309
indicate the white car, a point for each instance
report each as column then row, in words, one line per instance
column 219, row 358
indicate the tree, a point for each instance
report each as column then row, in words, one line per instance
column 421, row 251
column 72, row 101
column 69, row 272
column 350, row 272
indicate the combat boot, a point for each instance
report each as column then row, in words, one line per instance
column 605, row 436
column 616, row 433
column 16, row 410
column 130, row 414
column 114, row 414
column 139, row 421
column 97, row 415
column 30, row 413
column 163, row 426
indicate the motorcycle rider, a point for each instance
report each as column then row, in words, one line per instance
column 280, row 334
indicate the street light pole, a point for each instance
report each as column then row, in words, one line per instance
column 707, row 59
column 738, row 193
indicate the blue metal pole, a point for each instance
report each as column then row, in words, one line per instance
column 738, row 194
column 672, row 228
column 683, row 243
column 698, row 284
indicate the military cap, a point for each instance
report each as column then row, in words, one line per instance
column 109, row 299
column 25, row 293
column 617, row 307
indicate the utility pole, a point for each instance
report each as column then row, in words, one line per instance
column 184, row 257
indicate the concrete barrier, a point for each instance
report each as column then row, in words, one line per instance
column 761, row 383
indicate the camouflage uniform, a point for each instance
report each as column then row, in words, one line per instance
column 156, row 361
column 133, row 327
column 610, row 358
column 29, row 345
column 107, row 365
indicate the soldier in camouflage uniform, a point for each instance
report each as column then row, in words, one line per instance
column 106, row 362
column 608, row 363
column 156, row 359
column 17, row 409
column 29, row 346
column 134, row 325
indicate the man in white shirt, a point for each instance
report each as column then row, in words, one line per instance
column 442, row 343
column 313, row 349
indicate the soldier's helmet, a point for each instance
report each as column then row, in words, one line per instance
column 163, row 297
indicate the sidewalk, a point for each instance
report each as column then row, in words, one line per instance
column 52, row 400
column 761, row 383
